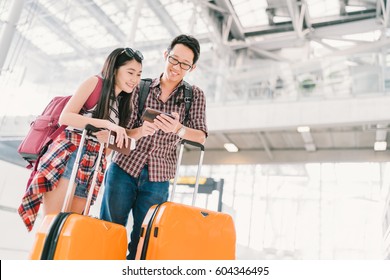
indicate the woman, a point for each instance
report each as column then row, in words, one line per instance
column 121, row 73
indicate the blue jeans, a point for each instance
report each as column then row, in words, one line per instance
column 81, row 190
column 123, row 193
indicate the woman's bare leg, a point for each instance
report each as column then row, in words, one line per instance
column 78, row 204
column 54, row 200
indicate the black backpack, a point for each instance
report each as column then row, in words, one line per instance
column 144, row 88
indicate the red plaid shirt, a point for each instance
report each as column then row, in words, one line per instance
column 52, row 165
column 159, row 150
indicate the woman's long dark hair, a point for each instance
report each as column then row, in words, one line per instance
column 116, row 59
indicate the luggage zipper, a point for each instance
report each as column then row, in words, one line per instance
column 148, row 233
column 50, row 245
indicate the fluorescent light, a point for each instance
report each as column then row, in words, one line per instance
column 302, row 129
column 380, row 146
column 230, row 147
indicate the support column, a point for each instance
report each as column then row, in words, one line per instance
column 134, row 24
column 9, row 30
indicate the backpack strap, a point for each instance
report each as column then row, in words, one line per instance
column 95, row 95
column 144, row 88
column 89, row 104
column 187, row 100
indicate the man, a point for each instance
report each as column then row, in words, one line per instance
column 140, row 180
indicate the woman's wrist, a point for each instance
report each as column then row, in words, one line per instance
column 108, row 124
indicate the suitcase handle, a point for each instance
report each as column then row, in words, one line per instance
column 196, row 144
column 178, row 167
column 88, row 130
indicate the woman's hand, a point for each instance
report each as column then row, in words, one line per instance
column 167, row 124
column 121, row 135
column 102, row 136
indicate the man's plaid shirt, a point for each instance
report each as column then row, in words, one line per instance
column 159, row 150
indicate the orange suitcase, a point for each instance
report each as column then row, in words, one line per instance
column 70, row 236
column 174, row 231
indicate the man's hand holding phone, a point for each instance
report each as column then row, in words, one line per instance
column 155, row 120
column 151, row 114
column 168, row 123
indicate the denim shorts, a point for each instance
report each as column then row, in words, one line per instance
column 81, row 190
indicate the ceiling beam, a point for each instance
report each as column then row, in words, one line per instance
column 335, row 21
column 269, row 54
column 57, row 27
column 143, row 46
column 8, row 31
column 104, row 20
column 213, row 6
column 361, row 48
column 268, row 29
column 265, row 144
column 328, row 46
column 341, row 19
column 338, row 38
column 308, row 140
column 236, row 30
column 8, row 153
column 159, row 10
column 384, row 12
column 35, row 54
column 297, row 13
column 134, row 23
column 213, row 157
column 381, row 132
column 215, row 31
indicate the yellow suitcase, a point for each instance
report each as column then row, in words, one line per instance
column 174, row 231
column 70, row 236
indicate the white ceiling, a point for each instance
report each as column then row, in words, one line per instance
column 252, row 52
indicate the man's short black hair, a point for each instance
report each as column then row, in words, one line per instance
column 189, row 42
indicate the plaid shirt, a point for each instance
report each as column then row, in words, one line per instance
column 159, row 150
column 52, row 165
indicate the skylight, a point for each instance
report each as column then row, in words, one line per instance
column 251, row 13
column 320, row 8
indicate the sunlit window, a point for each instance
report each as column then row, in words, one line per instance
column 328, row 211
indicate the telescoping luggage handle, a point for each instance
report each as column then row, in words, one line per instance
column 196, row 144
column 88, row 130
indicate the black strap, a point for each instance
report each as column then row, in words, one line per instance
column 144, row 91
column 51, row 241
column 187, row 100
column 144, row 88
column 148, row 232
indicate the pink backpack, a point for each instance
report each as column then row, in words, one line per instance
column 45, row 128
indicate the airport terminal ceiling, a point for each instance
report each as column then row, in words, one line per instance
column 253, row 53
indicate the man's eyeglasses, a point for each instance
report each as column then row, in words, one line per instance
column 183, row 65
column 133, row 53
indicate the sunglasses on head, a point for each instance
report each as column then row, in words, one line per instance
column 133, row 53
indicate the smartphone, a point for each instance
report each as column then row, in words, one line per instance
column 150, row 114
column 124, row 150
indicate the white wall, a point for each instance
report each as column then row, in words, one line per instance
column 15, row 240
